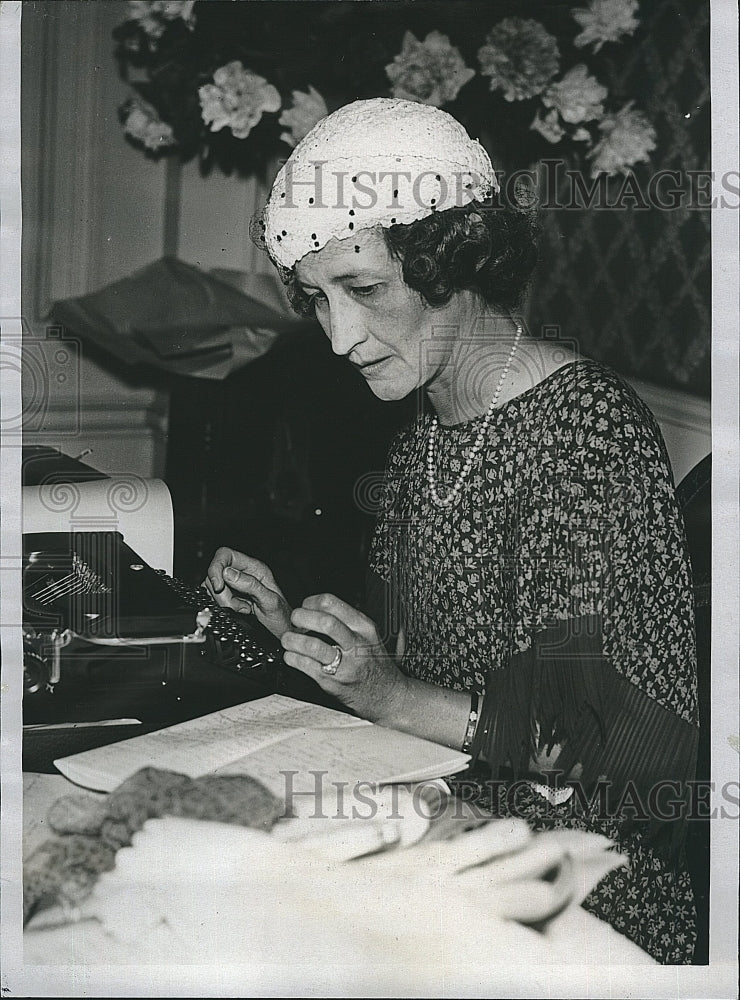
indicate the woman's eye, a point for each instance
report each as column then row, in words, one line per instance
column 364, row 291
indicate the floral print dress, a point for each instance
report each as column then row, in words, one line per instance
column 558, row 587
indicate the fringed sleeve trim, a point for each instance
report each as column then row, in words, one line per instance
column 563, row 691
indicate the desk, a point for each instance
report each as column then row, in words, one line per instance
column 277, row 912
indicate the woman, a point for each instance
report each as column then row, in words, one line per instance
column 529, row 596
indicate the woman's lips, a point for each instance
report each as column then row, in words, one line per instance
column 374, row 366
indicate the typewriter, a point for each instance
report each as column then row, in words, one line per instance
column 106, row 635
column 109, row 642
column 107, row 639
column 113, row 648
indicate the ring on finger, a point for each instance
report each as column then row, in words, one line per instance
column 331, row 668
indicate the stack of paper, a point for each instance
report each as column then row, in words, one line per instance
column 291, row 746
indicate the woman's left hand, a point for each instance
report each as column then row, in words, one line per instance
column 351, row 663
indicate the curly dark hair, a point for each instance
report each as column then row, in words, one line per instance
column 491, row 251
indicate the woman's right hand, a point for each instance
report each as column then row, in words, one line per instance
column 245, row 584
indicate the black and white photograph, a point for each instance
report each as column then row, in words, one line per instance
column 369, row 444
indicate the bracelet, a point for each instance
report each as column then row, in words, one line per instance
column 472, row 725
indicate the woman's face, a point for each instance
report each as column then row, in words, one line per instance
column 372, row 317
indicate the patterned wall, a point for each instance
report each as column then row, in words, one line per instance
column 631, row 284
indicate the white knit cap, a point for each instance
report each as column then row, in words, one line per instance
column 371, row 163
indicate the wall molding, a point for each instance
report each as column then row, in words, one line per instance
column 117, row 438
column 92, row 211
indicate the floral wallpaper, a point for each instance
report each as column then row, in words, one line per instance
column 608, row 99
column 237, row 83
column 632, row 282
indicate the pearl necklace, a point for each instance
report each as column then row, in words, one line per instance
column 452, row 495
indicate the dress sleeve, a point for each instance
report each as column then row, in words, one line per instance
column 599, row 610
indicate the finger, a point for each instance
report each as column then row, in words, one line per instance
column 326, row 624
column 308, row 665
column 332, row 605
column 221, row 598
column 224, row 598
column 250, row 586
column 227, row 599
column 222, row 558
column 255, row 568
column 309, row 646
column 241, row 605
column 225, row 558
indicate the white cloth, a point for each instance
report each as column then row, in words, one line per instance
column 309, row 894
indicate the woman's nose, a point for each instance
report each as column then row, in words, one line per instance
column 345, row 330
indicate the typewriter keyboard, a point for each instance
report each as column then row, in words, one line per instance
column 233, row 641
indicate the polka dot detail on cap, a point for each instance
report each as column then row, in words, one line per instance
column 379, row 162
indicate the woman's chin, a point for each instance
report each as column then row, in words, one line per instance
column 388, row 390
column 388, row 387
